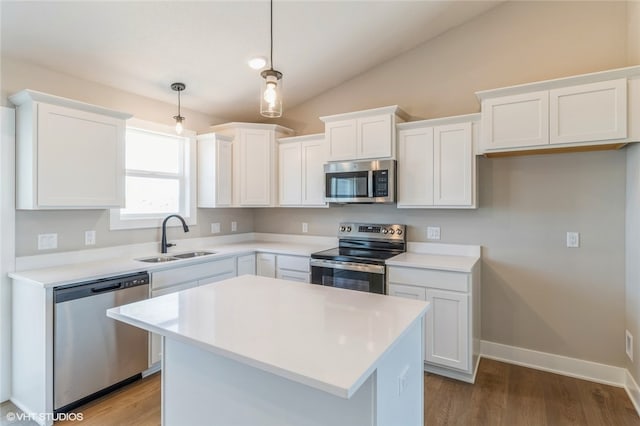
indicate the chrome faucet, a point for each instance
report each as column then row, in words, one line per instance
column 166, row 245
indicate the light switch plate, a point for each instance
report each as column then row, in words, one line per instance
column 305, row 227
column 47, row 241
column 234, row 226
column 573, row 239
column 433, row 232
column 215, row 228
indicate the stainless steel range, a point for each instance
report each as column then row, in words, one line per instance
column 358, row 263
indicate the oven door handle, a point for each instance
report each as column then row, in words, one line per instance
column 348, row 266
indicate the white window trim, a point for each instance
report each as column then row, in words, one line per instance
column 116, row 222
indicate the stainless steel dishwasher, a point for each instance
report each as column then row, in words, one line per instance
column 94, row 354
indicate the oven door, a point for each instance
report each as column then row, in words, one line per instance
column 352, row 276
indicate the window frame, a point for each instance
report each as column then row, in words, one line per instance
column 187, row 180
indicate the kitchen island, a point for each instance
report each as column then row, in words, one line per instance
column 260, row 351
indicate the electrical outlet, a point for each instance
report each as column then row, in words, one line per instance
column 215, row 228
column 89, row 238
column 234, row 226
column 47, row 241
column 628, row 342
column 305, row 227
column 433, row 232
column 402, row 380
column 573, row 239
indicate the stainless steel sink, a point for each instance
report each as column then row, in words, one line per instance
column 158, row 259
column 191, row 254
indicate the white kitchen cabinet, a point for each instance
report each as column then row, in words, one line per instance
column 569, row 113
column 588, row 112
column 363, row 134
column 447, row 331
column 452, row 323
column 436, row 163
column 516, row 121
column 246, row 265
column 301, row 171
column 266, row 265
column 69, row 155
column 293, row 268
column 254, row 162
column 214, row 170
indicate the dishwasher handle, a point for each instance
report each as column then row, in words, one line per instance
column 96, row 287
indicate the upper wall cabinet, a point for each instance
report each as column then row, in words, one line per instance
column 436, row 163
column 69, row 155
column 254, row 178
column 599, row 109
column 363, row 134
column 301, row 175
column 214, row 170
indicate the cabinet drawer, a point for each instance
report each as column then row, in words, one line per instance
column 407, row 291
column 196, row 272
column 294, row 263
column 302, row 277
column 445, row 280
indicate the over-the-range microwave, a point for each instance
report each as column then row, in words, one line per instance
column 360, row 182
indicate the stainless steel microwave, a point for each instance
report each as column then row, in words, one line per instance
column 360, row 182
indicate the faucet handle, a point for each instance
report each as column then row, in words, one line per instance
column 170, row 244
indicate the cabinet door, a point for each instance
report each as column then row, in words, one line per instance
column 589, row 112
column 80, row 158
column 266, row 265
column 453, row 165
column 448, row 329
column 415, row 167
column 341, row 137
column 515, row 121
column 214, row 172
column 375, row 136
column 246, row 265
column 256, row 167
column 313, row 159
column 290, row 174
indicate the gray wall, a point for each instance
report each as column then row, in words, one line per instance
column 536, row 293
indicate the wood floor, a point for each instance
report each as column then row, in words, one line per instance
column 503, row 394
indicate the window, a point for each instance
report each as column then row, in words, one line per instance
column 160, row 176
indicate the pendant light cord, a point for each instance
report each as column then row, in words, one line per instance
column 271, row 23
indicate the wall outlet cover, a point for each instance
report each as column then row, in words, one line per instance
column 215, row 228
column 234, row 226
column 573, row 239
column 89, row 238
column 628, row 343
column 305, row 227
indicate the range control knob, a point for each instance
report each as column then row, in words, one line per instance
column 348, row 229
column 399, row 232
column 342, row 229
column 391, row 231
column 385, row 230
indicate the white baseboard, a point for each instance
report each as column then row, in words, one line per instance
column 572, row 367
column 633, row 390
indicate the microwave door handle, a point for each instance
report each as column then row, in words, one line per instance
column 370, row 183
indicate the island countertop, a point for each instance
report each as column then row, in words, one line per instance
column 327, row 338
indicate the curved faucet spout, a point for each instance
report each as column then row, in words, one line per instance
column 164, row 244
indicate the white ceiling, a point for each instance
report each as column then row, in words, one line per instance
column 142, row 47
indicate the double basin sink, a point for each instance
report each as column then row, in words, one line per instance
column 187, row 255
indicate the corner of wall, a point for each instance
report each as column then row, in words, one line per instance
column 633, row 32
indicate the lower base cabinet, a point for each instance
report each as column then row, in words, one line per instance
column 285, row 267
column 452, row 324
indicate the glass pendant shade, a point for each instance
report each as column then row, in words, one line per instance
column 271, row 94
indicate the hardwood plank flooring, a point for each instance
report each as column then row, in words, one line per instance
column 503, row 395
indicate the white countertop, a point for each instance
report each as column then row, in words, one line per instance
column 67, row 274
column 324, row 337
column 434, row 261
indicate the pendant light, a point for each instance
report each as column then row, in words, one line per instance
column 271, row 88
column 178, row 87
